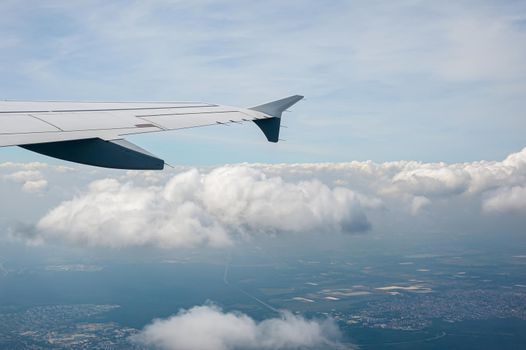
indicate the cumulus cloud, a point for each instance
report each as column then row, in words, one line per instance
column 23, row 166
column 217, row 207
column 24, row 175
column 32, row 180
column 473, row 178
column 34, row 185
column 507, row 200
column 209, row 328
column 416, row 184
column 418, row 204
column 196, row 208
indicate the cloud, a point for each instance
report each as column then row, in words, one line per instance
column 217, row 207
column 24, row 175
column 416, row 185
column 210, row 328
column 32, row 180
column 23, row 166
column 510, row 200
column 418, row 204
column 34, row 185
column 482, row 46
column 440, row 179
column 198, row 208
column 432, row 179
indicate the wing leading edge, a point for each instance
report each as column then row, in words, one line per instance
column 93, row 133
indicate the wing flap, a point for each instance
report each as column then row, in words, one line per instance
column 22, row 123
column 73, row 121
column 181, row 121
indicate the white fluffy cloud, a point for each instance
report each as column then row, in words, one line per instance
column 209, row 328
column 216, row 207
column 443, row 179
column 31, row 180
column 195, row 208
column 507, row 200
column 34, row 185
column 415, row 183
column 24, row 175
column 23, row 166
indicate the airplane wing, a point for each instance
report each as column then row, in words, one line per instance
column 94, row 133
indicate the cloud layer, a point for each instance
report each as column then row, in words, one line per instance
column 209, row 328
column 196, row 208
column 216, row 207
column 417, row 185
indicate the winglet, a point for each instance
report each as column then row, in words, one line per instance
column 275, row 108
column 271, row 126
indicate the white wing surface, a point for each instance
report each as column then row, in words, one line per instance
column 93, row 132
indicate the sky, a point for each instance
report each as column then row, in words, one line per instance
column 413, row 124
column 412, row 80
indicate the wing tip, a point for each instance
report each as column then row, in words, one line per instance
column 271, row 126
column 276, row 108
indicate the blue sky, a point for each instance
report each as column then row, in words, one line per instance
column 393, row 80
